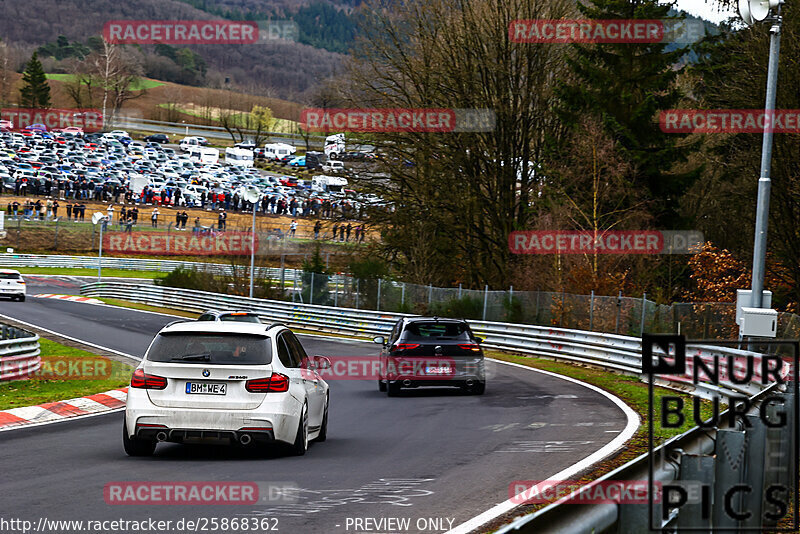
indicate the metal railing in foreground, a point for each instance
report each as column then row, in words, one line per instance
column 19, row 353
column 725, row 472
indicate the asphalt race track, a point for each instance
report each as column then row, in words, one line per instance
column 428, row 454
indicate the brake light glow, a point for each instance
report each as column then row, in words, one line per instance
column 277, row 383
column 142, row 380
column 405, row 346
column 470, row 346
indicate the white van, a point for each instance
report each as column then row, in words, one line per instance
column 275, row 151
column 188, row 143
column 240, row 157
column 204, row 155
column 333, row 166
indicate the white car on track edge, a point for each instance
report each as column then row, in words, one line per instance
column 245, row 383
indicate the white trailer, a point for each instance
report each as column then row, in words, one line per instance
column 275, row 151
column 328, row 184
column 204, row 155
column 240, row 157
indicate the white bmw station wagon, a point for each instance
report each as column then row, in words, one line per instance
column 232, row 382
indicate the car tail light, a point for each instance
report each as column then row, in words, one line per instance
column 142, row 380
column 470, row 346
column 405, row 346
column 277, row 383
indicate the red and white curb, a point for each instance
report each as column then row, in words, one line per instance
column 72, row 298
column 56, row 411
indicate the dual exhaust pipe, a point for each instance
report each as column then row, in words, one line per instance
column 244, row 439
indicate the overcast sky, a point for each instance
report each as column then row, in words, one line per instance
column 701, row 8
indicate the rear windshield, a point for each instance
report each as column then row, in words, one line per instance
column 221, row 349
column 9, row 276
column 242, row 318
column 436, row 330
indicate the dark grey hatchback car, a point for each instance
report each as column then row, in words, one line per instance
column 431, row 351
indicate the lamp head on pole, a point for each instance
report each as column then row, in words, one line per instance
column 753, row 11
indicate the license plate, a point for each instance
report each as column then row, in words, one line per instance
column 440, row 370
column 206, row 388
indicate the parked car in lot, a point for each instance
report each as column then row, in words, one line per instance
column 157, row 138
column 431, row 351
column 231, row 382
column 12, row 285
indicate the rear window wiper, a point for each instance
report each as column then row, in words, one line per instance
column 204, row 357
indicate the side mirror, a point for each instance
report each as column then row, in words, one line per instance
column 322, row 362
column 479, row 339
column 380, row 340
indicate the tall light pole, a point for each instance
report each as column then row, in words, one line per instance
column 252, row 195
column 99, row 217
column 751, row 12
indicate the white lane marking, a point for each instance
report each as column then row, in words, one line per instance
column 65, row 336
column 565, row 474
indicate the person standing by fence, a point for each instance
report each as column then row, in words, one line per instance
column 154, row 218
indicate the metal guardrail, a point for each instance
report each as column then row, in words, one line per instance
column 614, row 352
column 716, row 458
column 213, row 132
column 134, row 264
column 19, row 353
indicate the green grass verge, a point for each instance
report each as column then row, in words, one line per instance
column 146, row 307
column 67, row 271
column 138, row 85
column 66, row 373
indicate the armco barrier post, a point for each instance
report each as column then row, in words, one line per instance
column 485, row 299
column 697, row 472
column 619, row 310
column 357, row 293
column 728, row 472
column 378, row 301
column 754, row 470
column 644, row 305
column 403, row 295
column 591, row 310
column 283, row 272
column 311, row 293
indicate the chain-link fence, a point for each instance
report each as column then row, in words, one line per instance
column 613, row 314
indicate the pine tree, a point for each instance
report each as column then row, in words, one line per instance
column 626, row 86
column 35, row 92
